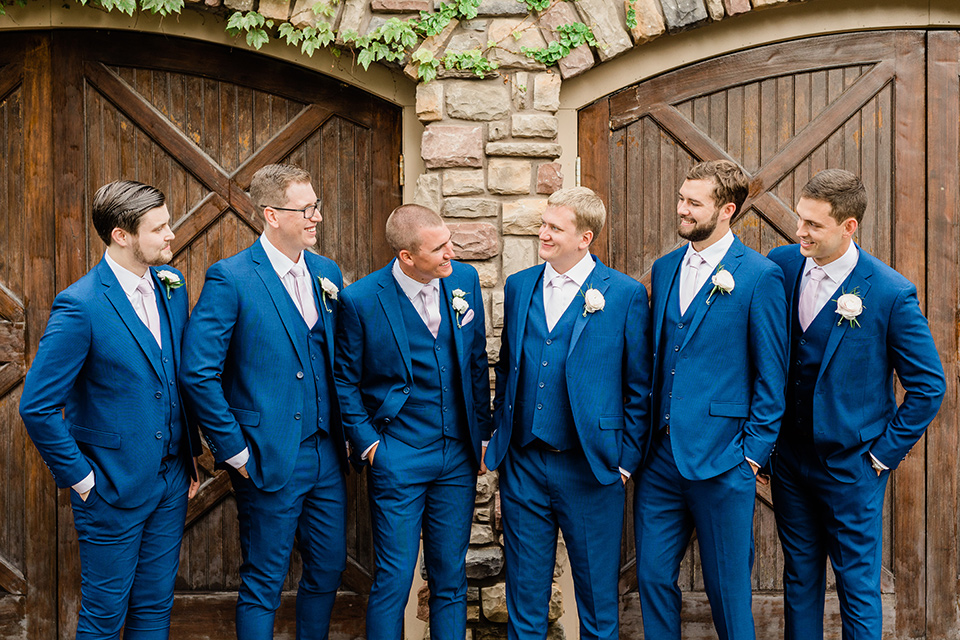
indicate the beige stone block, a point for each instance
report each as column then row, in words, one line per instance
column 561, row 564
column 715, row 9
column 487, row 485
column 428, row 192
column 430, row 101
column 303, row 15
column 432, row 44
column 274, row 9
column 546, row 92
column 507, row 177
column 463, row 182
column 650, row 22
column 498, row 130
column 518, row 254
column 556, row 603
column 477, row 99
column 522, row 217
column 423, row 603
column 763, row 4
column 493, row 356
column 355, row 14
column 474, row 240
column 401, row 6
column 580, row 58
column 497, row 308
column 239, row 5
column 511, row 34
column 735, row 7
column 473, row 614
column 549, row 178
column 488, row 271
column 605, row 19
column 520, row 91
column 483, row 514
column 452, row 146
column 484, row 562
column 494, row 602
column 481, row 534
column 524, row 149
column 470, row 208
column 533, row 125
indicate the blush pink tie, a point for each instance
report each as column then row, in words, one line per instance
column 148, row 302
column 304, row 298
column 807, row 307
column 688, row 286
column 553, row 303
column 431, row 309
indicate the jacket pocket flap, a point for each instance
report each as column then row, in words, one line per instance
column 95, row 438
column 874, row 431
column 611, row 422
column 730, row 409
column 246, row 418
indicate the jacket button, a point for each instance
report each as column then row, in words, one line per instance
column 406, row 389
column 159, row 436
column 386, row 421
column 296, row 416
column 299, row 375
column 158, row 395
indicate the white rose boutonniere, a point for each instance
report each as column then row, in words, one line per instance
column 459, row 304
column 593, row 301
column 170, row 281
column 327, row 290
column 849, row 306
column 722, row 281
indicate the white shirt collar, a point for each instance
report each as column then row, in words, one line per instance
column 129, row 281
column 839, row 269
column 410, row 286
column 713, row 254
column 280, row 263
column 578, row 272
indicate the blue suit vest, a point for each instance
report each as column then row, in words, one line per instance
column 173, row 413
column 436, row 396
column 543, row 405
column 674, row 332
column 316, row 415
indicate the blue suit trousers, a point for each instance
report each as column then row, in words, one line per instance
column 309, row 509
column 667, row 508
column 819, row 517
column 543, row 492
column 129, row 559
column 412, row 490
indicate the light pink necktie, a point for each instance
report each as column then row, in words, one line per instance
column 148, row 302
column 807, row 307
column 553, row 303
column 304, row 298
column 688, row 288
column 431, row 309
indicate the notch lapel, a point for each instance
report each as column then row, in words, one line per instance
column 446, row 298
column 598, row 280
column 664, row 286
column 165, row 307
column 326, row 323
column 390, row 303
column 286, row 309
column 730, row 262
column 114, row 293
column 528, row 289
column 858, row 281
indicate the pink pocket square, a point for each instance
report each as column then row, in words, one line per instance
column 467, row 317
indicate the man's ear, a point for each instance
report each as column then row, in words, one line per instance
column 120, row 237
column 586, row 239
column 405, row 257
column 850, row 226
column 270, row 217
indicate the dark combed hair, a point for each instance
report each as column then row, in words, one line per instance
column 842, row 190
column 121, row 204
column 729, row 182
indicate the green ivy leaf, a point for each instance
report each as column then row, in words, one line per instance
column 256, row 38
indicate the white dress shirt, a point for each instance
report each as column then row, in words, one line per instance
column 712, row 255
column 577, row 275
column 836, row 272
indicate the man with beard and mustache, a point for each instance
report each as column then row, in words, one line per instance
column 102, row 405
column 719, row 362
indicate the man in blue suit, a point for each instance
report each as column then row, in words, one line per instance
column 719, row 364
column 853, row 322
column 411, row 370
column 571, row 418
column 258, row 372
column 101, row 404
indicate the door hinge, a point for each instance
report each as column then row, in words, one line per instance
column 401, row 169
column 578, row 172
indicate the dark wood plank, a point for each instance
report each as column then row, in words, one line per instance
column 211, row 493
column 594, row 152
column 11, row 578
column 10, row 78
column 194, row 223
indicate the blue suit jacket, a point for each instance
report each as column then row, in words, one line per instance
column 728, row 389
column 373, row 365
column 854, row 406
column 607, row 370
column 100, row 364
column 244, row 371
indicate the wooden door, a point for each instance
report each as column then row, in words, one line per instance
column 782, row 112
column 83, row 108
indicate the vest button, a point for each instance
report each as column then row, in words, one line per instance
column 544, row 364
column 549, row 341
column 803, row 341
column 299, row 375
column 159, row 436
column 437, row 347
column 673, row 372
column 680, row 326
column 296, row 416
column 539, row 406
column 158, row 395
column 541, row 385
column 406, row 389
column 676, row 348
column 166, row 359
column 443, row 368
column 666, row 417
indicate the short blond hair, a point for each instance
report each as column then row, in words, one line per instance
column 268, row 187
column 588, row 210
column 405, row 223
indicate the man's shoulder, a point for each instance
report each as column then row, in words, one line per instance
column 323, row 264
column 785, row 254
column 885, row 275
column 367, row 285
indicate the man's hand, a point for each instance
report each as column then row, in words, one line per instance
column 370, row 454
column 483, row 462
column 83, row 496
column 243, row 471
column 762, row 478
column 194, row 482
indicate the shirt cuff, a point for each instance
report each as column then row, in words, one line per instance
column 879, row 466
column 366, row 452
column 240, row 459
column 85, row 485
column 753, row 462
column 624, row 472
column 485, row 443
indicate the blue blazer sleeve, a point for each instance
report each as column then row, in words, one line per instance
column 348, row 370
column 205, row 345
column 60, row 358
column 637, row 368
column 480, row 371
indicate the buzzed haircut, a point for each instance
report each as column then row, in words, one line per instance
column 842, row 190
column 268, row 188
column 729, row 182
column 121, row 204
column 588, row 210
column 405, row 223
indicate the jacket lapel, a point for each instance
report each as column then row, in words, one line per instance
column 527, row 291
column 858, row 281
column 390, row 302
column 598, row 280
column 447, row 285
column 791, row 280
column 322, row 305
column 731, row 262
column 666, row 279
column 164, row 306
column 114, row 293
column 286, row 309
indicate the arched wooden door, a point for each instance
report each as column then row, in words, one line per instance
column 782, row 112
column 196, row 121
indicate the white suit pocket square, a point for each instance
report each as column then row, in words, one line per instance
column 467, row 318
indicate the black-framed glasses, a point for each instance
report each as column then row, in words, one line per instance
column 308, row 211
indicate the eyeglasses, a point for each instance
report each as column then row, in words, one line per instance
column 308, row 211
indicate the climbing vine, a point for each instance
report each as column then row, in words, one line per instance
column 393, row 41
